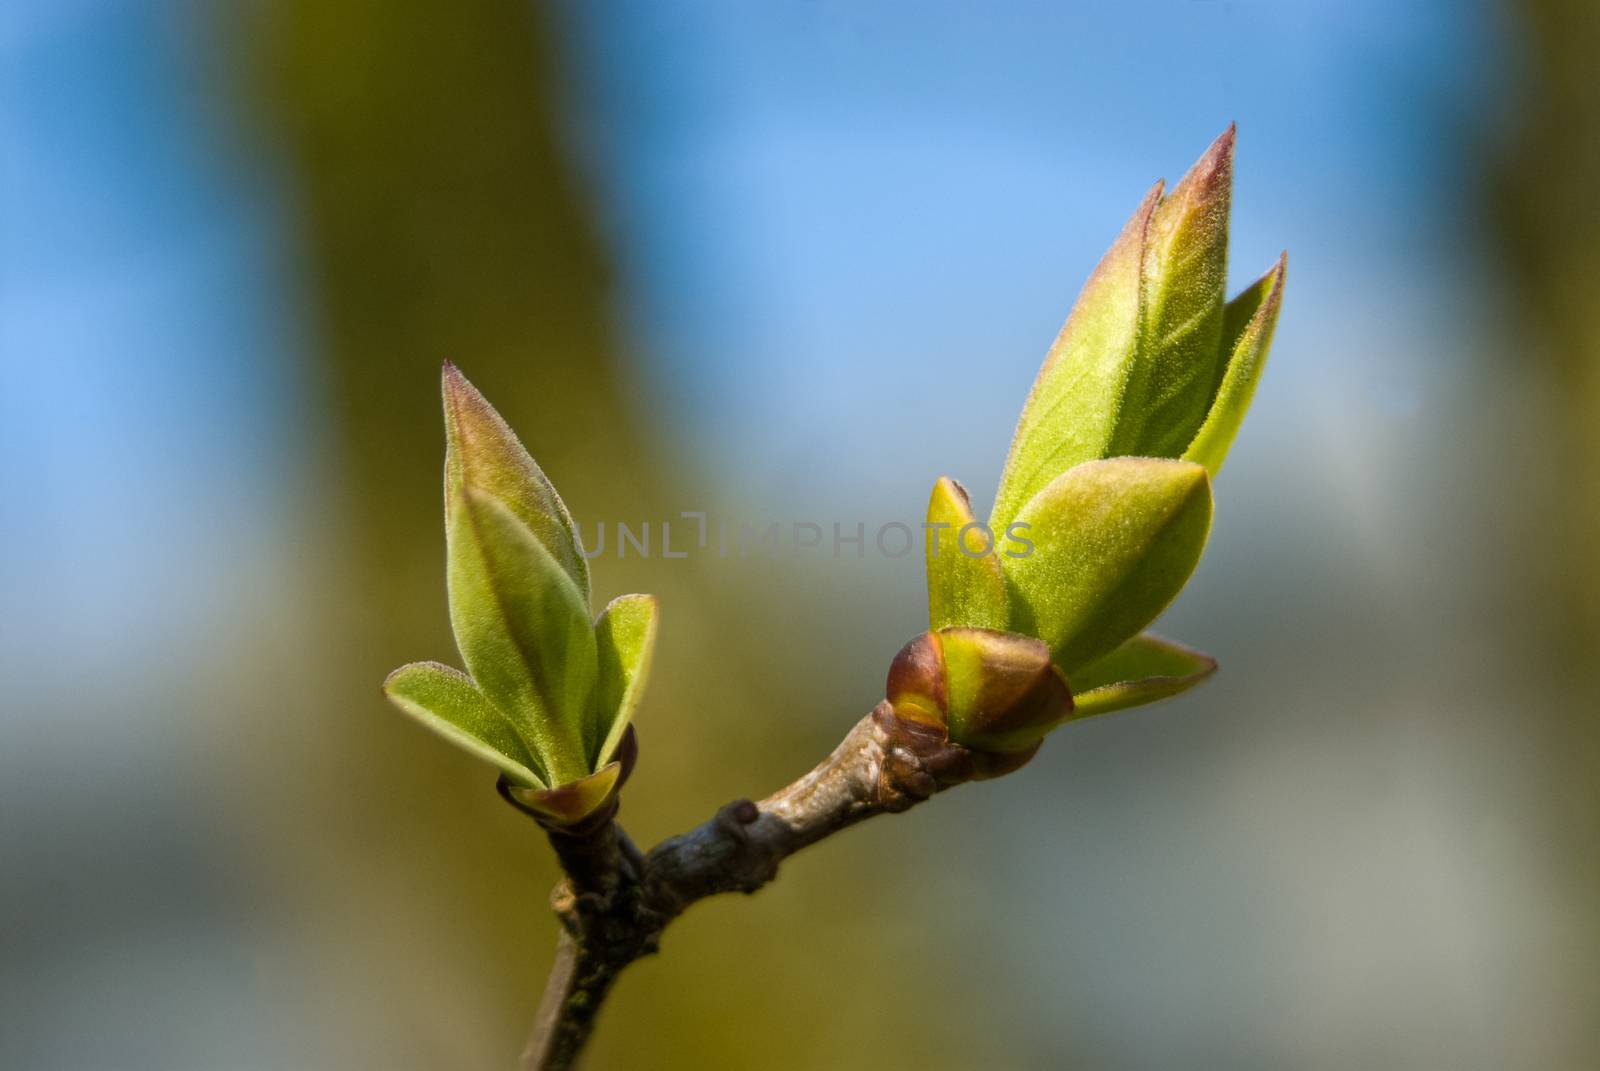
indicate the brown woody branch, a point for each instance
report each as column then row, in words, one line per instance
column 615, row 902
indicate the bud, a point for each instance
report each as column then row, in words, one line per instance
column 989, row 691
column 578, row 803
column 1168, row 385
column 549, row 695
column 481, row 450
column 1107, row 482
column 1145, row 360
column 571, row 803
column 1000, row 694
column 916, row 687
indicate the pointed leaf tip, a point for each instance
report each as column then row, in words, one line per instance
column 483, row 451
column 1071, row 412
column 1208, row 179
column 1248, row 325
column 965, row 587
column 625, row 636
column 1222, row 147
column 1145, row 669
column 1167, row 384
column 1133, row 371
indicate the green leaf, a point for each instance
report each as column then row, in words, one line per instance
column 965, row 587
column 1071, row 412
column 446, row 701
column 482, row 451
column 1114, row 543
column 1133, row 371
column 1246, row 337
column 1168, row 386
column 625, row 635
column 523, row 629
column 1143, row 670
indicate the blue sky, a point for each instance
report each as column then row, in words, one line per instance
column 845, row 234
column 821, row 206
column 814, row 206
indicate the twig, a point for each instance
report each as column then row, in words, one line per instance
column 614, row 903
column 557, row 992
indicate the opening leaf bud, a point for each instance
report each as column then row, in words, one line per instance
column 990, row 691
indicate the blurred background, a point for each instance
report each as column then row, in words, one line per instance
column 789, row 262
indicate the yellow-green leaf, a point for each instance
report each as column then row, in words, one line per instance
column 1114, row 543
column 1247, row 335
column 965, row 587
column 1133, row 372
column 625, row 636
column 523, row 629
column 1168, row 386
column 445, row 701
column 1071, row 412
column 1143, row 670
column 481, row 450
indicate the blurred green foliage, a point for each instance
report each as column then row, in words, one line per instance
column 1541, row 177
column 1540, row 183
